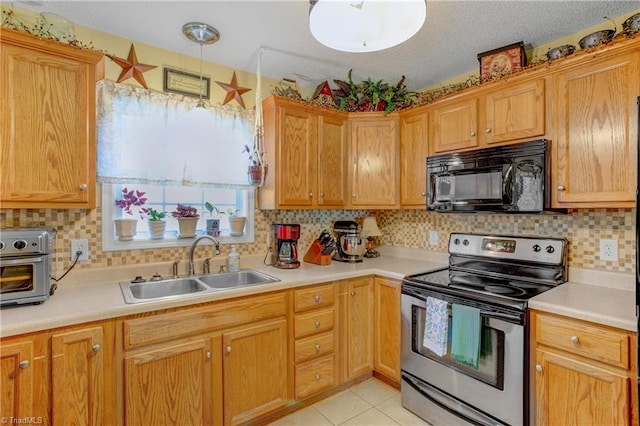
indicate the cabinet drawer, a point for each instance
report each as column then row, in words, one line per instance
column 313, row 297
column 586, row 339
column 313, row 323
column 314, row 376
column 162, row 327
column 314, row 346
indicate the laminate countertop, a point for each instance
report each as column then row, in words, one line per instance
column 94, row 294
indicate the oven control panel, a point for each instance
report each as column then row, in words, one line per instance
column 530, row 249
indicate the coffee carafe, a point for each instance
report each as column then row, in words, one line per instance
column 287, row 236
column 349, row 245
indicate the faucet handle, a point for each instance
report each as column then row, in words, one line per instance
column 217, row 251
column 206, row 266
column 174, row 268
column 221, row 270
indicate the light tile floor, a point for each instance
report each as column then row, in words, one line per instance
column 368, row 403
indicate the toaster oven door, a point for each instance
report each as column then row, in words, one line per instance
column 24, row 280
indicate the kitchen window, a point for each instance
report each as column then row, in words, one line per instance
column 162, row 145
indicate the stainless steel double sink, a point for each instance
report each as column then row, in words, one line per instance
column 138, row 292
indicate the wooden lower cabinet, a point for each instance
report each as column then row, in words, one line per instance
column 359, row 327
column 386, row 349
column 584, row 373
column 254, row 366
column 173, row 384
column 16, row 378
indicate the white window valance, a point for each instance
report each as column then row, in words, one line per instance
column 162, row 139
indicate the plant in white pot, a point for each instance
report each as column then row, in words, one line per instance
column 130, row 203
column 236, row 223
column 157, row 225
column 187, row 220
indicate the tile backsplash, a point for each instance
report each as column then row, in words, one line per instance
column 404, row 228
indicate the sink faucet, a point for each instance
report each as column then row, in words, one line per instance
column 193, row 248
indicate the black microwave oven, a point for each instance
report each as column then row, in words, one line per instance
column 507, row 179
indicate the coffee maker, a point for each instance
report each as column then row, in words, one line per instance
column 287, row 236
column 349, row 246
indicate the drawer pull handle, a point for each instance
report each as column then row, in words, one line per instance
column 317, row 324
column 574, row 339
column 96, row 347
column 228, row 349
column 487, row 130
column 23, row 364
column 538, row 368
column 317, row 377
column 318, row 347
column 316, row 298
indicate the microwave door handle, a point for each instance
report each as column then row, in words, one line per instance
column 507, row 184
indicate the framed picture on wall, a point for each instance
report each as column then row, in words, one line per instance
column 186, row 83
column 502, row 61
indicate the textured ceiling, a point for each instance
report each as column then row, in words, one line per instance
column 447, row 45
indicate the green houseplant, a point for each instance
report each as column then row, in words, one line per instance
column 157, row 225
column 130, row 203
column 187, row 220
column 236, row 223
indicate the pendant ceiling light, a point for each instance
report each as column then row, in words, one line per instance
column 202, row 34
column 365, row 25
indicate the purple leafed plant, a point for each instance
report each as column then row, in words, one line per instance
column 131, row 199
column 185, row 211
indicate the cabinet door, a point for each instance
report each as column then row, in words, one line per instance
column 296, row 150
column 174, row 384
column 16, row 379
column 78, row 384
column 373, row 153
column 517, row 112
column 387, row 327
column 413, row 156
column 254, row 371
column 454, row 126
column 47, row 148
column 573, row 392
column 359, row 327
column 596, row 123
column 332, row 161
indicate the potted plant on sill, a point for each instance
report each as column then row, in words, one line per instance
column 236, row 223
column 130, row 202
column 213, row 223
column 187, row 220
column 157, row 225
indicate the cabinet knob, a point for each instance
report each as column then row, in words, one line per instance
column 423, row 194
column 574, row 339
column 317, row 377
column 317, row 347
column 353, row 293
column 96, row 347
column 487, row 130
column 317, row 323
column 538, row 368
column 560, row 187
column 322, row 194
column 208, row 355
column 317, row 299
column 23, row 364
column 355, row 195
column 311, row 195
column 472, row 134
column 83, row 187
column 228, row 349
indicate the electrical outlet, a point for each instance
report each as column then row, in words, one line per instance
column 269, row 239
column 609, row 250
column 434, row 237
column 82, row 245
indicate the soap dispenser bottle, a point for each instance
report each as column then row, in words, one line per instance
column 233, row 260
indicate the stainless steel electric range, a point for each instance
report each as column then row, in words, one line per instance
column 464, row 329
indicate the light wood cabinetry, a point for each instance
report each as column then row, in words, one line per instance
column 306, row 151
column 48, row 120
column 595, row 121
column 373, row 160
column 413, row 158
column 358, row 327
column 507, row 114
column 315, row 339
column 386, row 320
column 583, row 373
column 17, row 358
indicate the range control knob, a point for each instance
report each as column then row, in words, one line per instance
column 1, row 245
column 465, row 242
column 536, row 248
column 456, row 241
column 19, row 244
column 550, row 249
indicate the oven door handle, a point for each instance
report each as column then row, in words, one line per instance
column 501, row 315
column 21, row 261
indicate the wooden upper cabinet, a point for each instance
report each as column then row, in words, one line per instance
column 373, row 157
column 48, row 121
column 454, row 126
column 596, row 125
column 413, row 155
column 306, row 153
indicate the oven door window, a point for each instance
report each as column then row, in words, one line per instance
column 16, row 278
column 464, row 186
column 491, row 362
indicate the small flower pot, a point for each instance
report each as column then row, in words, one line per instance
column 256, row 175
column 187, row 226
column 156, row 229
column 236, row 223
column 125, row 228
column 213, row 227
